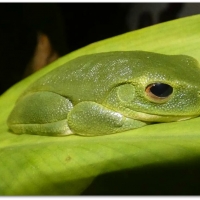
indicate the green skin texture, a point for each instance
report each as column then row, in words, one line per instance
column 106, row 93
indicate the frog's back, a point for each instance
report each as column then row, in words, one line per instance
column 87, row 77
column 91, row 77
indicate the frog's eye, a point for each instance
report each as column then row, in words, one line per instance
column 159, row 91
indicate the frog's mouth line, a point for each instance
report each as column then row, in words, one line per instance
column 146, row 117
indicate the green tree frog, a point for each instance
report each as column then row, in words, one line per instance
column 109, row 92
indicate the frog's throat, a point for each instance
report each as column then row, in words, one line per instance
column 146, row 117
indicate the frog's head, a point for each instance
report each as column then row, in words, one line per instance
column 166, row 89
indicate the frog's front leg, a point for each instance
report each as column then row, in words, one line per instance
column 41, row 113
column 90, row 119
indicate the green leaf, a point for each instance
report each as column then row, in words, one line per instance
column 37, row 165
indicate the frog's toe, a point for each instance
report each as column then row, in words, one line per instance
column 59, row 128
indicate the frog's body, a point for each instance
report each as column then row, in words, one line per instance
column 108, row 93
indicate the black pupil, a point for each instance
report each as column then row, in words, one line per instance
column 161, row 89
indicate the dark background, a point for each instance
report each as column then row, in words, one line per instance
column 70, row 26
